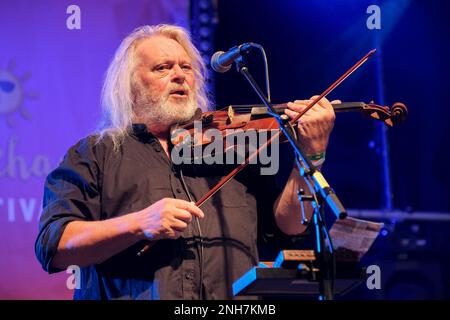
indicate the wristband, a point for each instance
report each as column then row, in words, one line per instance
column 316, row 159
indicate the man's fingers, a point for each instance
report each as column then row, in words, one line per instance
column 324, row 103
column 291, row 114
column 183, row 215
column 300, row 105
column 179, row 225
column 294, row 111
column 189, row 206
column 297, row 107
column 321, row 102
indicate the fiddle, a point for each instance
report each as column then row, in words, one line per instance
column 257, row 117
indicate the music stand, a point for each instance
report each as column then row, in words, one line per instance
column 264, row 280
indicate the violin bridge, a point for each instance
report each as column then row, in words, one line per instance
column 230, row 114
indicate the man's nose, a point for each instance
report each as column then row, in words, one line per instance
column 178, row 74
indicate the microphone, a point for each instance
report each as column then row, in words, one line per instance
column 222, row 61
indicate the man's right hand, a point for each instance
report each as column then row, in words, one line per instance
column 166, row 218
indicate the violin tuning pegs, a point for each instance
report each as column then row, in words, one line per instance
column 389, row 122
column 375, row 115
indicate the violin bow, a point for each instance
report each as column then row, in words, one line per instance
column 239, row 168
column 236, row 170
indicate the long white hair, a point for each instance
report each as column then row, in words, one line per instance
column 117, row 98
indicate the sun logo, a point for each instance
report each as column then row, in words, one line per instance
column 12, row 94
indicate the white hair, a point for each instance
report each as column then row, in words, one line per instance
column 117, row 93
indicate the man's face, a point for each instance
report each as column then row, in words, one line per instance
column 165, row 82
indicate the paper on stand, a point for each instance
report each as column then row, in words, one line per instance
column 352, row 237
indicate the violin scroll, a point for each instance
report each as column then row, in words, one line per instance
column 390, row 116
column 398, row 112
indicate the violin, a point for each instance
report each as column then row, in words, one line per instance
column 257, row 117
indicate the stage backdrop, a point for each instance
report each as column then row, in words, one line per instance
column 53, row 56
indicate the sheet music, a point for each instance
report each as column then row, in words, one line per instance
column 352, row 237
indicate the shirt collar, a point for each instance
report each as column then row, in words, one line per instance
column 140, row 131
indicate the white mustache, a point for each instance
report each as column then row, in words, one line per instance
column 183, row 88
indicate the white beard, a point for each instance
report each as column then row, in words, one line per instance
column 158, row 110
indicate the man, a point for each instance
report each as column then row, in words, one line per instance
column 116, row 190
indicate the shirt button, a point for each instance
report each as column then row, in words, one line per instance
column 189, row 275
column 157, row 148
column 178, row 190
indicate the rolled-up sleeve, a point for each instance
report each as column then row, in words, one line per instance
column 71, row 193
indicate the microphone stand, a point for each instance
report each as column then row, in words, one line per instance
column 321, row 190
column 325, row 252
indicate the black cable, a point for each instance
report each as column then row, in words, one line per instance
column 199, row 234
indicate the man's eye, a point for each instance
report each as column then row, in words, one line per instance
column 162, row 67
column 186, row 67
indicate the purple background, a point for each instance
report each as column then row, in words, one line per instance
column 50, row 83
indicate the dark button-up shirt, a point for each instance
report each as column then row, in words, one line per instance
column 95, row 182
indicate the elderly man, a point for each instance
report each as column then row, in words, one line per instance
column 117, row 189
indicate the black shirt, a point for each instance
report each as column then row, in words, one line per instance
column 95, row 182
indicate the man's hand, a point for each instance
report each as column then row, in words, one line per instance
column 166, row 218
column 314, row 129
column 315, row 126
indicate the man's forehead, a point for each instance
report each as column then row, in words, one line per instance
column 160, row 47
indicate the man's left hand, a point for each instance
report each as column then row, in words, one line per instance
column 315, row 126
